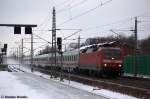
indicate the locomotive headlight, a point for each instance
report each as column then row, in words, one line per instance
column 120, row 65
column 112, row 58
column 105, row 65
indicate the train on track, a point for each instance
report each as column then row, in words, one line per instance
column 96, row 59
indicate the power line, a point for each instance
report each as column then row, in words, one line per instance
column 42, row 38
column 45, row 20
column 35, row 48
column 62, row 3
column 66, row 5
column 72, row 34
column 116, row 22
column 86, row 12
column 73, row 6
column 143, row 15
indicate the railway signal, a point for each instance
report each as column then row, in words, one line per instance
column 17, row 30
column 5, row 46
column 59, row 43
column 4, row 49
column 28, row 30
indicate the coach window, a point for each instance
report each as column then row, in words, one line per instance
column 67, row 58
column 74, row 57
column 70, row 58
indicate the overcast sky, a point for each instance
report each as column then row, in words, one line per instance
column 70, row 14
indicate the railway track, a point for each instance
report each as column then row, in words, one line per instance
column 13, row 69
column 115, row 85
column 137, row 87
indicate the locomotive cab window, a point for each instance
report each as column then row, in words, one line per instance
column 112, row 54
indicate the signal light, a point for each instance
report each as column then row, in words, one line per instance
column 5, row 46
column 59, row 43
column 28, row 30
column 2, row 50
column 17, row 30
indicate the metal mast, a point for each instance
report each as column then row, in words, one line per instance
column 135, row 48
column 22, row 50
column 54, row 37
column 32, row 52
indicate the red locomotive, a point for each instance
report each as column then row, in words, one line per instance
column 102, row 60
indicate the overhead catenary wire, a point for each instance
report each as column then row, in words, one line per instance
column 72, row 34
column 35, row 48
column 73, row 6
column 84, row 13
column 62, row 3
column 42, row 39
column 116, row 22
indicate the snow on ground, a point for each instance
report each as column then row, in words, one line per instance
column 95, row 90
column 11, row 87
column 91, row 89
column 30, row 86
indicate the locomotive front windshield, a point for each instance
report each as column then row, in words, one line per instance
column 112, row 54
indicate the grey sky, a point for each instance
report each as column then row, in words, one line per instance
column 114, row 15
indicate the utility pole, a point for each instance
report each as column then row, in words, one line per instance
column 53, row 64
column 135, row 31
column 32, row 52
column 19, row 56
column 78, row 50
column 135, row 48
column 22, row 50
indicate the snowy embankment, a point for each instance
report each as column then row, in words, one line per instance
column 11, row 88
column 91, row 89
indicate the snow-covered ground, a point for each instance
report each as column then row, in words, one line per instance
column 11, row 87
column 102, row 92
column 30, row 86
column 37, row 87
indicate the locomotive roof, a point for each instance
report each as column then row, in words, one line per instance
column 95, row 47
column 106, row 44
